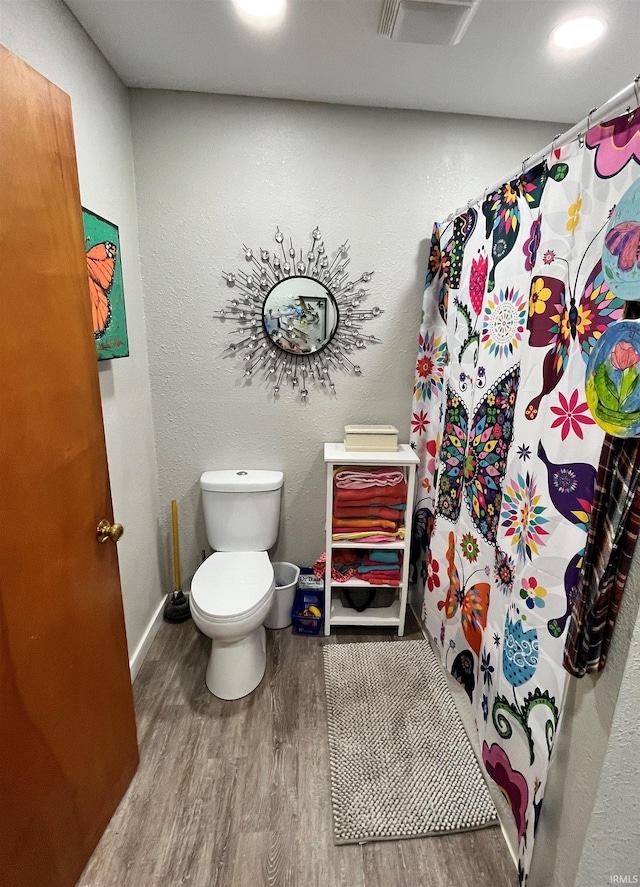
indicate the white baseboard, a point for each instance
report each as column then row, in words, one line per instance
column 140, row 652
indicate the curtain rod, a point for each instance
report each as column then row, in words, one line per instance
column 595, row 116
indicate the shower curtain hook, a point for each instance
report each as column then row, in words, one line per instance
column 636, row 89
column 553, row 142
column 591, row 113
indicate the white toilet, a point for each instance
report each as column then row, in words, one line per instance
column 232, row 591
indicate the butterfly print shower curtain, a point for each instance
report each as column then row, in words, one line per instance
column 516, row 297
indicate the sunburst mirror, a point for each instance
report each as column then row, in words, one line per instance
column 296, row 318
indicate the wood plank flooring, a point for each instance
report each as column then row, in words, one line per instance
column 237, row 794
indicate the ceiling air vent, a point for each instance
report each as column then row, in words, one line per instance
column 435, row 22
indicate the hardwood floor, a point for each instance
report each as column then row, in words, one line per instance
column 237, row 794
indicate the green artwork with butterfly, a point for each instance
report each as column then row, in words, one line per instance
column 104, row 268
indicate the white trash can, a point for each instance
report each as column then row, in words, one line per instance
column 286, row 576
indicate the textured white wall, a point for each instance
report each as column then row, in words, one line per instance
column 45, row 35
column 591, row 806
column 214, row 172
column 612, row 847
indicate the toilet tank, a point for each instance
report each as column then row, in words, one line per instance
column 241, row 508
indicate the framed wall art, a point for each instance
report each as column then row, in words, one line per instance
column 297, row 317
column 102, row 246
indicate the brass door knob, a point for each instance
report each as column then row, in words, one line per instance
column 106, row 531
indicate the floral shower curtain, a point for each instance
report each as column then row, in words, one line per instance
column 516, row 298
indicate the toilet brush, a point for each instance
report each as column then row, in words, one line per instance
column 176, row 608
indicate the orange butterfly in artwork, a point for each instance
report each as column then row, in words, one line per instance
column 473, row 602
column 101, row 263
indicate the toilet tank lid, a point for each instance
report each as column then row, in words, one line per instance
column 241, row 480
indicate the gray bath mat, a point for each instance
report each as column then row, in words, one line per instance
column 402, row 765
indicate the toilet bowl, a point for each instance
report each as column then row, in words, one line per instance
column 232, row 591
column 231, row 595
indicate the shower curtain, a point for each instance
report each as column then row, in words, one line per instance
column 515, row 299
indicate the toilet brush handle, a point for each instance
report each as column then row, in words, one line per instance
column 176, row 545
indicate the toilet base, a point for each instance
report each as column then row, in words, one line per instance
column 236, row 667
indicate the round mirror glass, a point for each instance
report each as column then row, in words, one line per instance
column 300, row 315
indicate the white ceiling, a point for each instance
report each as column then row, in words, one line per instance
column 330, row 51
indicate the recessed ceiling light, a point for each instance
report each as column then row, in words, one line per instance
column 577, row 32
column 261, row 8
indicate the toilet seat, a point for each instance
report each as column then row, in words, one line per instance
column 231, row 585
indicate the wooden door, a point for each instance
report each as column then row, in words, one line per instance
column 67, row 729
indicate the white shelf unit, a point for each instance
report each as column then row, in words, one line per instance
column 335, row 613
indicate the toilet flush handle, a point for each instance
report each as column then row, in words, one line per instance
column 106, row 530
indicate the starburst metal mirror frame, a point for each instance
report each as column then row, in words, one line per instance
column 297, row 318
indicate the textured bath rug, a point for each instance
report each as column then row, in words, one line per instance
column 402, row 765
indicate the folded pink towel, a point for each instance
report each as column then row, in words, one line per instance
column 347, row 479
column 387, row 559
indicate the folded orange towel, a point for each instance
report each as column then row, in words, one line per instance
column 367, row 511
column 365, row 523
